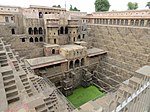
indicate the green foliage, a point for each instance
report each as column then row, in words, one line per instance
column 132, row 6
column 73, row 9
column 102, row 5
column 82, row 95
column 57, row 6
column 148, row 5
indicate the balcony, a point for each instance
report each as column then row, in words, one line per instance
column 53, row 24
column 73, row 23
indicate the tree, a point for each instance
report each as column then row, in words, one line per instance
column 57, row 6
column 132, row 6
column 102, row 5
column 148, row 5
column 73, row 9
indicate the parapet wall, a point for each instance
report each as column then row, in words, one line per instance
column 128, row 48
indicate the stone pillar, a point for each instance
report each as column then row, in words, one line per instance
column 92, row 21
column 104, row 21
column 129, row 21
column 145, row 22
column 134, row 22
column 73, row 63
column 97, row 21
column 79, row 62
column 108, row 21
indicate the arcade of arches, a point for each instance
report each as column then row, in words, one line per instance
column 76, row 63
column 35, row 31
column 36, row 39
column 63, row 30
column 127, row 22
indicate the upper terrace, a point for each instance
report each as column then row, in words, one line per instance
column 126, row 18
column 123, row 14
column 46, row 7
column 9, row 9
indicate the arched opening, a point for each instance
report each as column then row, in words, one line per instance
column 83, row 36
column 13, row 31
column 142, row 22
column 45, row 12
column 79, row 37
column 106, row 21
column 103, row 21
column 74, row 39
column 137, row 22
column 31, row 39
column 66, row 30
column 61, row 30
column 36, row 39
column 94, row 21
column 97, row 21
column 114, row 22
column 132, row 22
column 53, row 51
column 30, row 31
column 82, row 61
column 71, row 65
column 6, row 19
column 54, row 41
column 41, row 39
column 110, row 22
column 40, row 15
column 40, row 30
column 58, row 32
column 77, row 63
column 126, row 22
column 148, row 23
column 23, row 39
column 122, row 22
column 118, row 21
column 35, row 31
column 100, row 21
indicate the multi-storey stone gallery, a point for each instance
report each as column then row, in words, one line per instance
column 46, row 53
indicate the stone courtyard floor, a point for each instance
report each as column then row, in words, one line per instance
column 82, row 95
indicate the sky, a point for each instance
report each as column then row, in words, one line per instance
column 83, row 5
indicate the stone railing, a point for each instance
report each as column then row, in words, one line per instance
column 53, row 24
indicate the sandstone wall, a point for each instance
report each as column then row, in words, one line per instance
column 6, row 27
column 5, row 30
column 25, row 49
column 128, row 48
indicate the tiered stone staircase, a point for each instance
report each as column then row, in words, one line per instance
column 128, row 49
